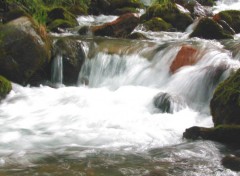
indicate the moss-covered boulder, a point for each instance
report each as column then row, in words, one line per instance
column 24, row 49
column 207, row 28
column 113, row 7
column 59, row 18
column 170, row 13
column 225, row 104
column 121, row 27
column 232, row 17
column 73, row 57
column 5, row 87
column 157, row 24
column 228, row 134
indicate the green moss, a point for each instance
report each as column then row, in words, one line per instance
column 232, row 17
column 157, row 24
column 209, row 29
column 5, row 86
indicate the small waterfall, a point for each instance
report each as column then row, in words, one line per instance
column 57, row 70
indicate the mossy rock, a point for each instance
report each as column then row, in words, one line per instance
column 210, row 29
column 228, row 134
column 124, row 10
column 24, row 49
column 225, row 104
column 232, row 17
column 5, row 87
column 14, row 14
column 170, row 13
column 157, row 24
column 59, row 17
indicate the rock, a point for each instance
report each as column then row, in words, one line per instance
column 224, row 105
column 170, row 13
column 113, row 7
column 24, row 49
column 227, row 134
column 13, row 14
column 84, row 30
column 231, row 17
column 5, row 87
column 226, row 27
column 168, row 103
column 209, row 29
column 157, row 24
column 186, row 56
column 121, row 27
column 60, row 18
column 231, row 162
column 73, row 57
column 137, row 35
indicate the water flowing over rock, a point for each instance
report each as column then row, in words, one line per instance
column 121, row 27
column 25, row 49
column 187, row 55
column 225, row 107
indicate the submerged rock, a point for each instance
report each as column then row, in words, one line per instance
column 24, row 49
column 73, row 57
column 207, row 28
column 5, row 87
column 225, row 106
column 186, row 56
column 228, row 134
column 168, row 103
column 121, row 27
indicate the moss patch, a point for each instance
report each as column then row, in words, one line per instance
column 157, row 24
column 5, row 86
column 232, row 17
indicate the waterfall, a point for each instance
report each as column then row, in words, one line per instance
column 57, row 70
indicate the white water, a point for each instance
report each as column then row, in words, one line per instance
column 226, row 5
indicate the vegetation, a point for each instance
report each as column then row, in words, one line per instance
column 5, row 87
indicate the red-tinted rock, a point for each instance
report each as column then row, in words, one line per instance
column 185, row 56
column 121, row 27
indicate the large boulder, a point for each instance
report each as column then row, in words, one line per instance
column 170, row 13
column 231, row 17
column 225, row 106
column 113, row 7
column 73, row 57
column 24, row 49
column 157, row 24
column 121, row 27
column 186, row 56
column 207, row 28
column 5, row 87
column 228, row 134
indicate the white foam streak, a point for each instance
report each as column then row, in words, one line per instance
column 222, row 5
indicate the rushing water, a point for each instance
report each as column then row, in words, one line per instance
column 108, row 124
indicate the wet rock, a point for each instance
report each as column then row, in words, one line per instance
column 113, row 7
column 226, row 27
column 73, row 57
column 170, row 13
column 207, row 28
column 168, row 103
column 24, row 49
column 137, row 35
column 231, row 17
column 224, row 105
column 231, row 162
column 5, row 87
column 186, row 56
column 157, row 24
column 121, row 27
column 228, row 134
column 84, row 30
column 59, row 18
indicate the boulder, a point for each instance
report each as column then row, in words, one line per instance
column 59, row 18
column 24, row 49
column 231, row 17
column 231, row 162
column 113, row 7
column 207, row 28
column 121, row 27
column 186, row 56
column 157, row 24
column 73, row 57
column 5, row 87
column 224, row 105
column 170, row 13
column 227, row 134
column 168, row 103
